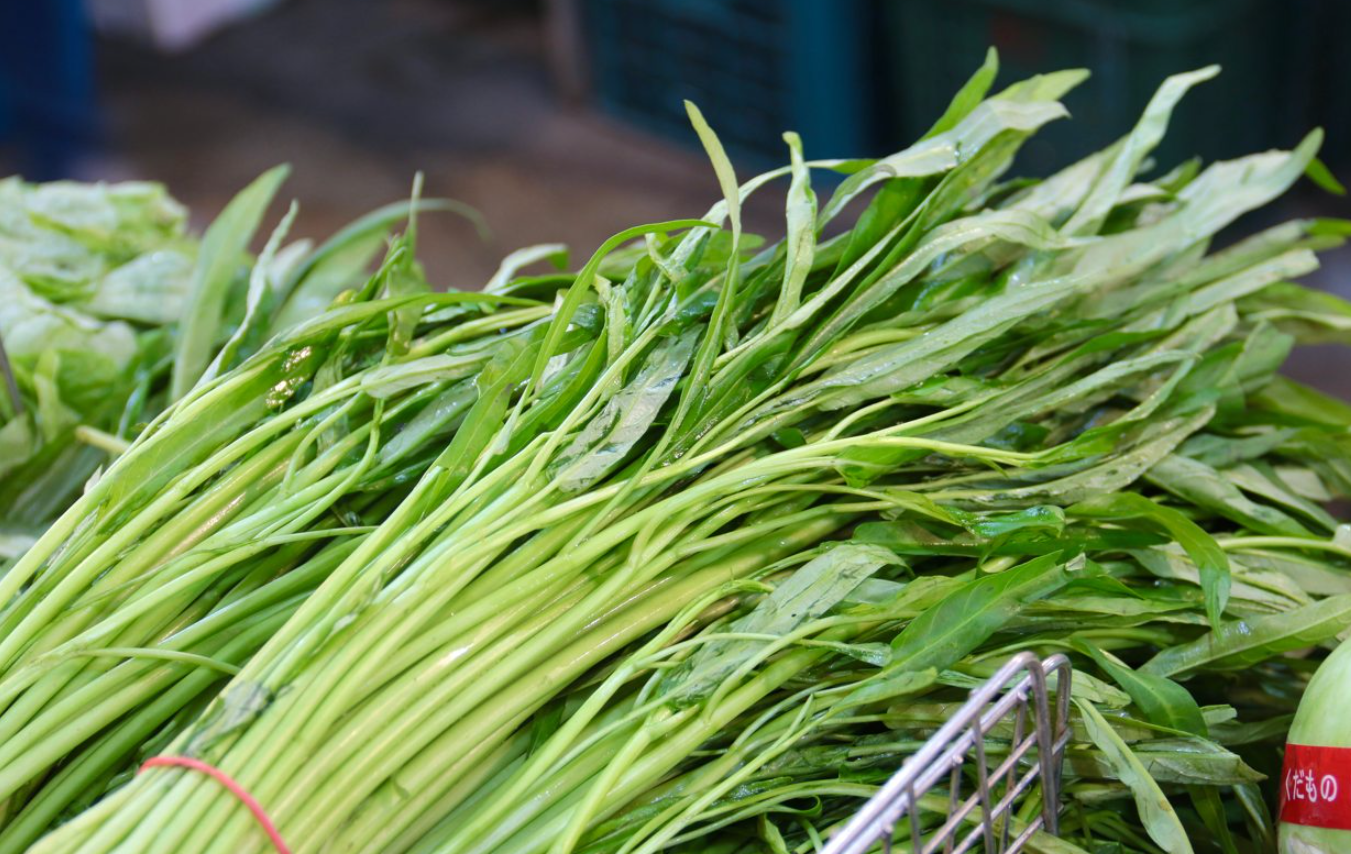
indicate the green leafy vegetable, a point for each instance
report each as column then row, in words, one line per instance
column 687, row 548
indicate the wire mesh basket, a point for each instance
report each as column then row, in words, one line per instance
column 1018, row 694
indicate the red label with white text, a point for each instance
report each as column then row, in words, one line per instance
column 1316, row 786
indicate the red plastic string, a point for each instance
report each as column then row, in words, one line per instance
column 228, row 782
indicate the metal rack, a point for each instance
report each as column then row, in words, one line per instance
column 1015, row 692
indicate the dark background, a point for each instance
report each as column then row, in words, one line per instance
column 562, row 120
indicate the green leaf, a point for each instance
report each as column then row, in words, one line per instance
column 1201, row 485
column 811, row 591
column 1288, row 397
column 1318, row 172
column 1209, row 558
column 801, row 238
column 963, row 620
column 1195, row 763
column 946, row 150
column 341, row 260
column 1157, row 815
column 1239, row 644
column 1266, row 482
column 1167, row 703
column 218, row 260
column 611, row 434
column 973, row 91
column 1251, row 585
column 484, row 419
column 585, row 281
column 258, row 294
column 31, row 325
column 894, row 684
column 1131, row 152
column 150, row 289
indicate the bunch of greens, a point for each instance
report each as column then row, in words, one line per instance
column 686, row 550
column 90, row 276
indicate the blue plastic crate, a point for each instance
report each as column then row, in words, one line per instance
column 755, row 68
column 47, row 106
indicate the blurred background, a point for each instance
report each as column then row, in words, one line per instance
column 562, row 120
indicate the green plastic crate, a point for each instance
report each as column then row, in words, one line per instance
column 1320, row 41
column 1129, row 45
column 755, row 68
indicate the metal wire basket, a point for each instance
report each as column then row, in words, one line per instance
column 1015, row 692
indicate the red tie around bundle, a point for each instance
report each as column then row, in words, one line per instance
column 229, row 783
